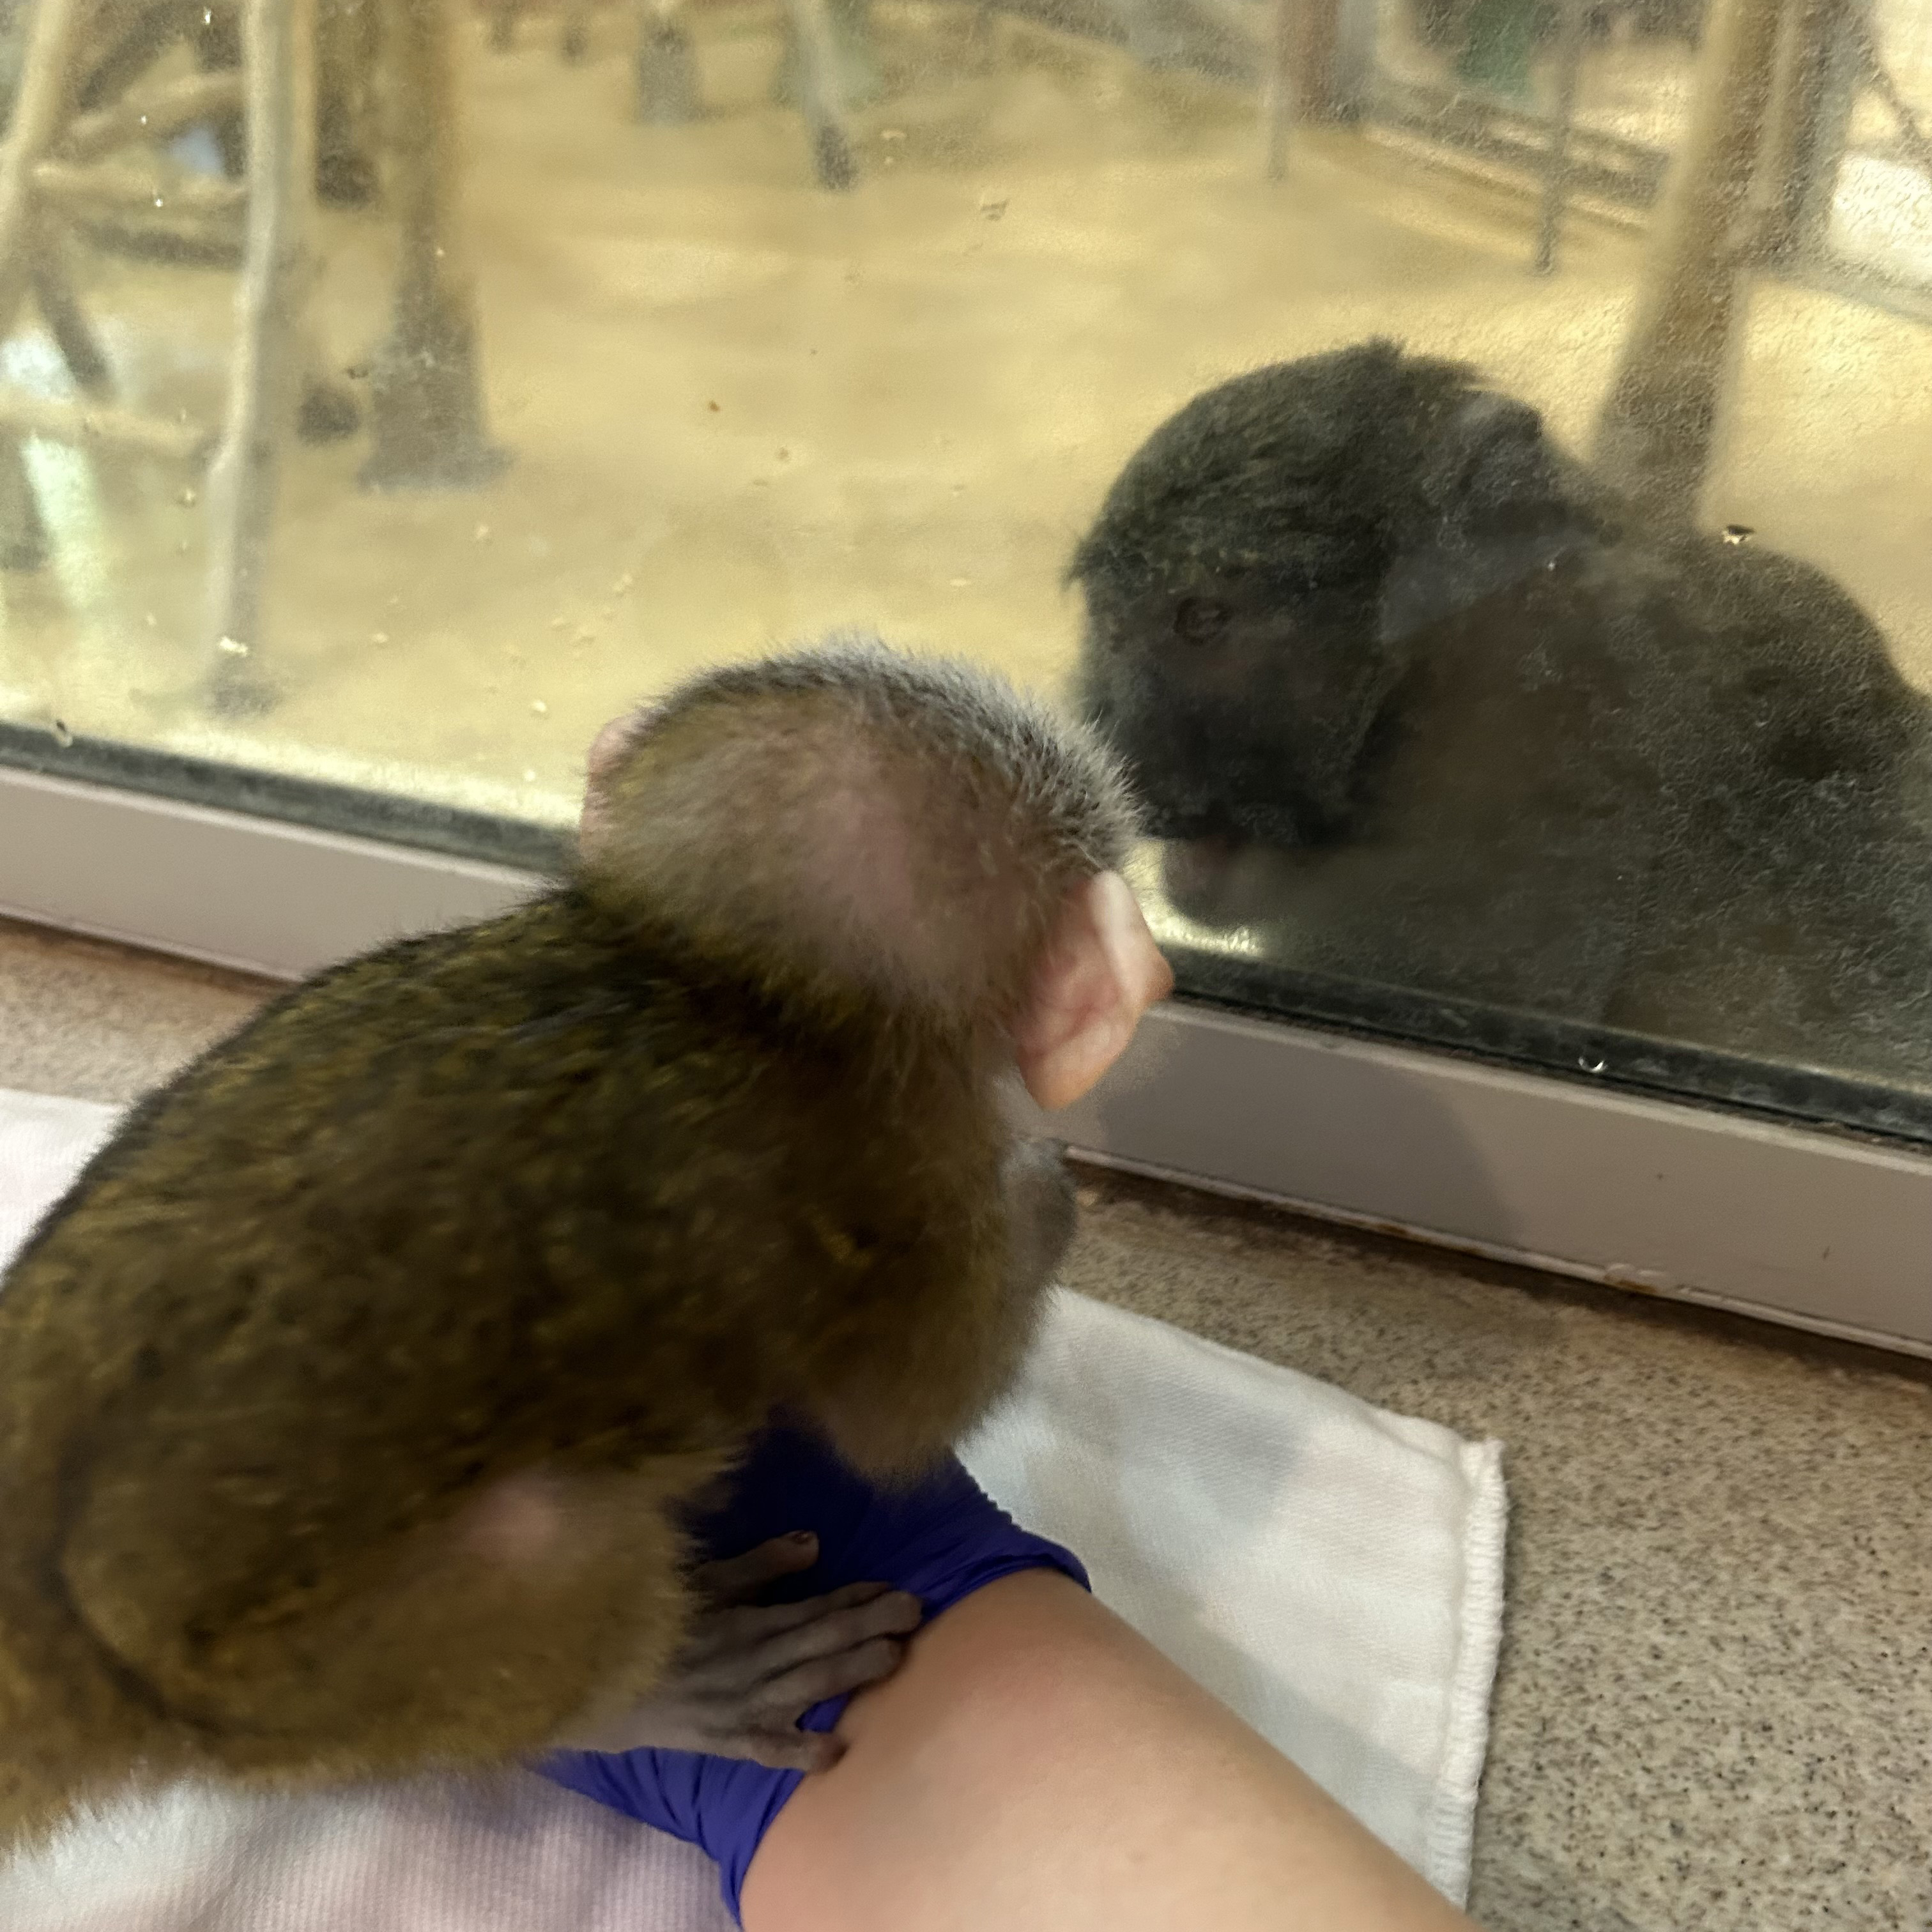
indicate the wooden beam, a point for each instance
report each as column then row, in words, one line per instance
column 1556, row 167
column 1658, row 427
column 91, row 426
column 53, row 45
column 426, row 409
column 55, row 33
column 60, row 307
column 1278, row 90
column 95, row 186
column 271, row 305
column 819, row 95
column 151, row 113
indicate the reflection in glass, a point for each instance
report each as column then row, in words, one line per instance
column 1417, row 699
column 393, row 390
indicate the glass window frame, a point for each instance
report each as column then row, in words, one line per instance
column 1826, row 1230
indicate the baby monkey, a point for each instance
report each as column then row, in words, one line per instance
column 354, row 1399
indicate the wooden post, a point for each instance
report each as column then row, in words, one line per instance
column 1278, row 88
column 348, row 51
column 66, row 321
column 54, row 42
column 125, row 37
column 1317, row 36
column 347, row 34
column 40, row 112
column 1794, row 83
column 425, row 401
column 1556, row 171
column 23, row 530
column 666, row 68
column 981, row 43
column 821, row 99
column 215, row 34
column 1658, row 427
column 1826, row 130
column 503, row 24
column 849, row 55
column 278, row 74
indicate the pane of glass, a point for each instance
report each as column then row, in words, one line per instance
column 1568, row 710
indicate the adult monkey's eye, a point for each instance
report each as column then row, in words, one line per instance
column 1200, row 620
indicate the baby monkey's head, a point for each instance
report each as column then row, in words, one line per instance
column 852, row 822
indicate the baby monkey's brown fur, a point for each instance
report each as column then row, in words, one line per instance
column 559, row 1208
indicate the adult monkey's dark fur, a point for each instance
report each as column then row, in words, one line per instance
column 1417, row 696
column 573, row 1198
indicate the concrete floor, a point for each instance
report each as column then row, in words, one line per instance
column 1714, row 1707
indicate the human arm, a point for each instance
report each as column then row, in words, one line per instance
column 1035, row 1763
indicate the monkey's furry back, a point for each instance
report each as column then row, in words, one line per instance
column 557, row 1191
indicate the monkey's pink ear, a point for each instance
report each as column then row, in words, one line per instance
column 608, row 746
column 1100, row 972
column 607, row 751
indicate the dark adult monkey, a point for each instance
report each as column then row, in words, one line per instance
column 349, row 1398
column 1415, row 696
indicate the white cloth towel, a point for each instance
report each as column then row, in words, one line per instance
column 1333, row 1572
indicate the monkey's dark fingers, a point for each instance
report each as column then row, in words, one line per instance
column 738, row 1579
column 800, row 1751
column 726, row 1709
column 782, row 1700
column 792, row 1749
column 780, row 1656
column 739, row 1643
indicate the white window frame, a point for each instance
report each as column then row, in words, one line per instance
column 1820, row 1230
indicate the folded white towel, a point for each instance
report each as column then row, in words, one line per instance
column 1333, row 1572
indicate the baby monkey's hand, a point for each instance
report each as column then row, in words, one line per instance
column 748, row 1672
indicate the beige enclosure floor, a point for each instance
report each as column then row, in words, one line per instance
column 740, row 410
column 1714, row 1706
